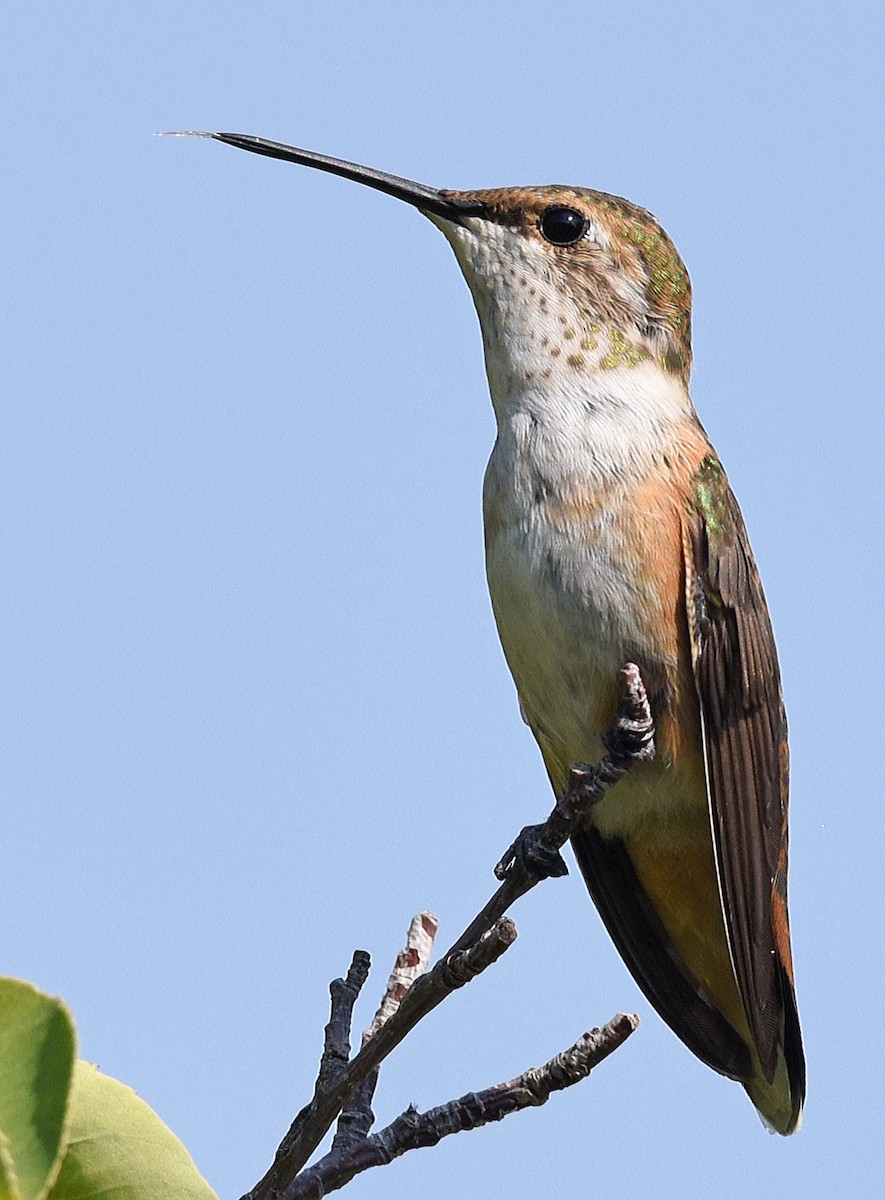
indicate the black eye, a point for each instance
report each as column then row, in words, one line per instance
column 563, row 226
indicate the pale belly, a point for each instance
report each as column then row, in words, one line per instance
column 573, row 605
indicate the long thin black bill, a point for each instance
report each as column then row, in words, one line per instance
column 441, row 203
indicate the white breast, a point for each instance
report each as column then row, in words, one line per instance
column 576, row 434
column 562, row 596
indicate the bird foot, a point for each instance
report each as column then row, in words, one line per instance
column 534, row 854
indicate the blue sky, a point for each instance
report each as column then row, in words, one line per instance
column 254, row 710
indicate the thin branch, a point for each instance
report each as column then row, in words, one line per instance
column 411, row 962
column 413, row 1130
column 532, row 857
column 336, row 1044
column 356, row 1117
column 315, row 1119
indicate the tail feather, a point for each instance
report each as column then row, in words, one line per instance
column 780, row 1101
column 656, row 966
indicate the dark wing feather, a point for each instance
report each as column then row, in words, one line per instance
column 646, row 948
column 745, row 738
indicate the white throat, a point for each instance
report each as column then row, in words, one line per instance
column 571, row 392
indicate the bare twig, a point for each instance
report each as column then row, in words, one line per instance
column 413, row 1130
column 336, row 1045
column 532, row 857
column 313, row 1122
column 411, row 962
column 356, row 1117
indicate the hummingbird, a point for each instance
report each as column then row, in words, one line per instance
column 612, row 535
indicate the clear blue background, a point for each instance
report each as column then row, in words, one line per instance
column 254, row 709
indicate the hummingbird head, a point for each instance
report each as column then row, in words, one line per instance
column 601, row 267
column 565, row 280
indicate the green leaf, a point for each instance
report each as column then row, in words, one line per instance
column 37, row 1047
column 118, row 1146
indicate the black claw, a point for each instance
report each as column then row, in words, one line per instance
column 630, row 739
column 537, row 859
